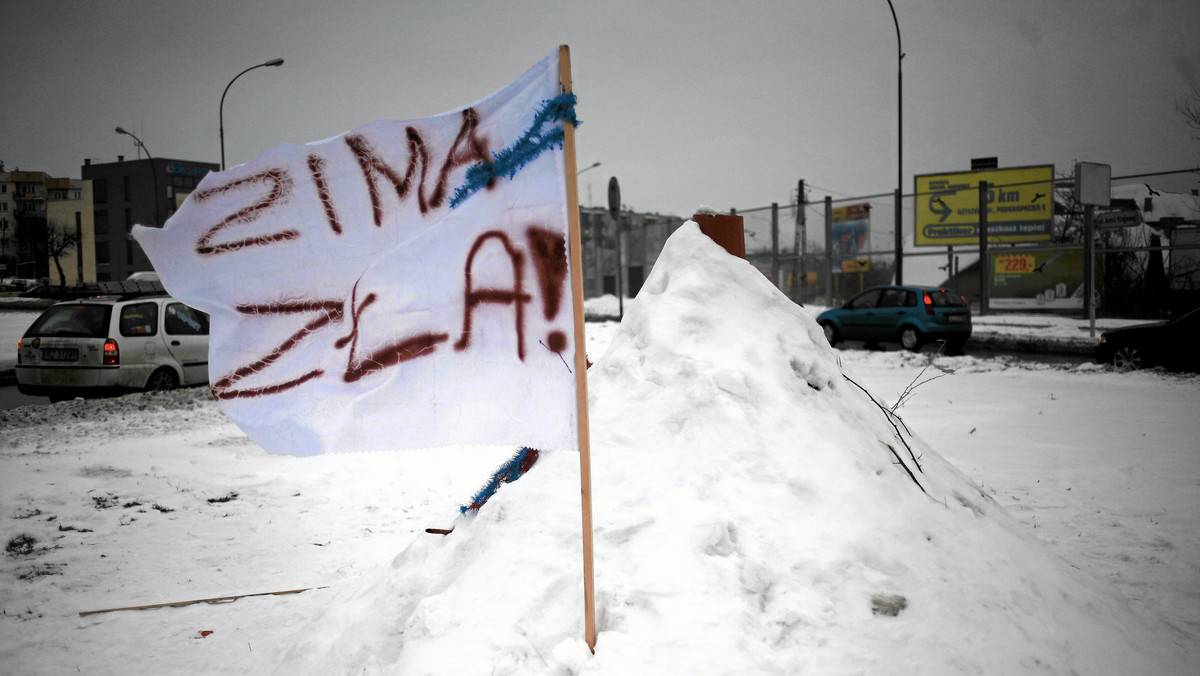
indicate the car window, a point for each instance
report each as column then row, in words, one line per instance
column 946, row 298
column 81, row 320
column 897, row 298
column 182, row 320
column 867, row 299
column 139, row 319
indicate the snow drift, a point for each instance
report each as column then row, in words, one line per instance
column 756, row 512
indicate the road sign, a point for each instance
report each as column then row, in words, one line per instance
column 614, row 197
column 1113, row 220
column 1020, row 206
column 1093, row 183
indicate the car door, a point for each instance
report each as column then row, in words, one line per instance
column 894, row 305
column 186, row 330
column 1180, row 344
column 139, row 341
column 858, row 315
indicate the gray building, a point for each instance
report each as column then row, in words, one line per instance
column 642, row 237
column 136, row 192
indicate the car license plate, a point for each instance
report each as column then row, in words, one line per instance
column 956, row 319
column 60, row 354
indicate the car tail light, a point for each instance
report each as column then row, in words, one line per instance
column 19, row 341
column 928, row 304
column 112, row 354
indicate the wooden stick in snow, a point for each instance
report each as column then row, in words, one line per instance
column 178, row 604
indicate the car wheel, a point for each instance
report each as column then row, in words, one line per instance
column 910, row 338
column 831, row 333
column 161, row 380
column 1127, row 357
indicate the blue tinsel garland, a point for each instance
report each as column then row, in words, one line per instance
column 509, row 472
column 532, row 143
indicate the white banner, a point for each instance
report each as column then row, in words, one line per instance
column 403, row 285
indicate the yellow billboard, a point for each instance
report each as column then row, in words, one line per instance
column 1020, row 206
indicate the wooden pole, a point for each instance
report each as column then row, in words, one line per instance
column 585, row 459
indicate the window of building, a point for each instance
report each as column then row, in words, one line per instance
column 128, row 192
column 100, row 222
column 636, row 278
column 100, row 191
column 102, row 253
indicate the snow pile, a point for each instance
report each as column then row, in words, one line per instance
column 754, row 512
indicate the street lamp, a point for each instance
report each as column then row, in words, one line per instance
column 593, row 165
column 221, row 110
column 153, row 173
column 899, row 149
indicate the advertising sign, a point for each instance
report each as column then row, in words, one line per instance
column 1020, row 206
column 1037, row 280
column 851, row 236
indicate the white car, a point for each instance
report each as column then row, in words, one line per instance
column 112, row 344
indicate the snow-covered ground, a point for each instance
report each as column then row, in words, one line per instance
column 754, row 514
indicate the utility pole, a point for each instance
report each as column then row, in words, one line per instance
column 829, row 262
column 800, row 268
column 614, row 211
column 985, row 265
column 775, row 244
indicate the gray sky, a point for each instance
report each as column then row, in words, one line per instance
column 720, row 103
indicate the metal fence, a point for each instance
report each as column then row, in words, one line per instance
column 814, row 263
column 836, row 246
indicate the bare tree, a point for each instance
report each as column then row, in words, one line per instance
column 59, row 240
column 1190, row 109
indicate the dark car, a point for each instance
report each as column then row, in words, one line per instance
column 909, row 315
column 1174, row 344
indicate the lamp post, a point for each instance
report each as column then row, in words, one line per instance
column 153, row 173
column 899, row 149
column 593, row 165
column 221, row 110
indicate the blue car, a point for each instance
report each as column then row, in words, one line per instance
column 909, row 315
